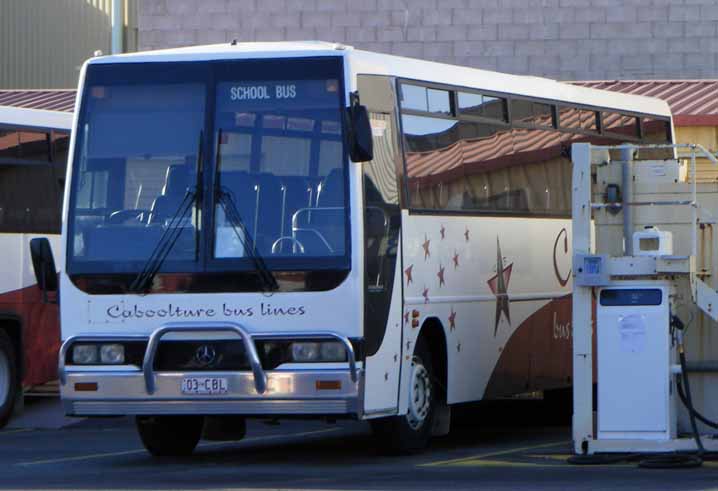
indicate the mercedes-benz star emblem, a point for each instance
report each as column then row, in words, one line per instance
column 205, row 355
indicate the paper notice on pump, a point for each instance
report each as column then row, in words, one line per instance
column 632, row 331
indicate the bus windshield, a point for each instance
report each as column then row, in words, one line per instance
column 260, row 158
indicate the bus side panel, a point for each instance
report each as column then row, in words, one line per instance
column 538, row 354
column 485, row 279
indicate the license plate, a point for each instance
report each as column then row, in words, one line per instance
column 204, row 385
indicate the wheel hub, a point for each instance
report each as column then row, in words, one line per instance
column 419, row 396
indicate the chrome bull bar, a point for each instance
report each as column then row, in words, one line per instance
column 248, row 338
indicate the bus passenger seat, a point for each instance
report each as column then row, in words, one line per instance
column 173, row 192
column 329, row 217
column 241, row 187
column 331, row 190
column 268, row 195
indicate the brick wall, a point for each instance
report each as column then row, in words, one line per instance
column 565, row 39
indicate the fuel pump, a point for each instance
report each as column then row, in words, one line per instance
column 635, row 265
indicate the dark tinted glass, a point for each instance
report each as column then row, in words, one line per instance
column 60, row 147
column 531, row 112
column 425, row 99
column 30, row 200
column 577, row 119
column 483, row 106
column 634, row 296
column 655, row 130
column 484, row 167
column 619, row 124
column 381, row 229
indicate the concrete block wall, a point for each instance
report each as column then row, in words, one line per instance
column 564, row 39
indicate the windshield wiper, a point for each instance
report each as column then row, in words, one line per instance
column 224, row 197
column 169, row 237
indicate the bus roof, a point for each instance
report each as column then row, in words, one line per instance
column 18, row 117
column 367, row 62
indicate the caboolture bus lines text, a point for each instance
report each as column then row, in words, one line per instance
column 176, row 312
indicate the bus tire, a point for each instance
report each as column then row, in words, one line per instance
column 9, row 383
column 410, row 433
column 170, row 436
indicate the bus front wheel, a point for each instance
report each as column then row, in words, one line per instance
column 9, row 384
column 170, row 436
column 411, row 432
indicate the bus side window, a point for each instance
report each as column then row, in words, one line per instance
column 28, row 190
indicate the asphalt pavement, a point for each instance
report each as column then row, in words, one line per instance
column 514, row 446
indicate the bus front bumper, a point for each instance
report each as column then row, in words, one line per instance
column 310, row 392
column 130, row 390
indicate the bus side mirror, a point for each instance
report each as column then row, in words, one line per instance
column 43, row 263
column 361, row 144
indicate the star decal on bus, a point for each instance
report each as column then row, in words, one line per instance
column 425, row 245
column 440, row 274
column 452, row 320
column 466, row 234
column 499, row 284
column 442, row 231
column 406, row 317
column 456, row 259
column 425, row 294
column 407, row 272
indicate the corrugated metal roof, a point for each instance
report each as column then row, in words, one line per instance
column 693, row 102
column 50, row 100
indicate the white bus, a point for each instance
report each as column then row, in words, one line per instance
column 229, row 255
column 33, row 154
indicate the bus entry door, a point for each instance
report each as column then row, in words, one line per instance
column 382, row 274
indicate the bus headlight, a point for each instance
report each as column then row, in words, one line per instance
column 112, row 354
column 304, row 352
column 98, row 354
column 85, row 354
column 333, row 351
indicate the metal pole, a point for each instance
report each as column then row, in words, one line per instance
column 117, row 23
column 581, row 302
column 694, row 208
column 627, row 184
